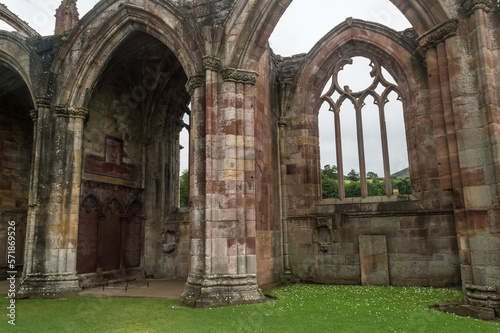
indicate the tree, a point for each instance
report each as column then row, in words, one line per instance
column 403, row 185
column 184, row 188
column 330, row 171
column 353, row 189
column 371, row 175
column 352, row 176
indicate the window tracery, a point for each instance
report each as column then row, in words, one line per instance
column 379, row 89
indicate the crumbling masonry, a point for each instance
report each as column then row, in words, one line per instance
column 89, row 151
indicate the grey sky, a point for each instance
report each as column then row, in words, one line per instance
column 304, row 23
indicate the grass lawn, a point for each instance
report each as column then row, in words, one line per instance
column 300, row 308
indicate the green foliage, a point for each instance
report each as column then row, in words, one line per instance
column 299, row 308
column 184, row 188
column 375, row 187
column 403, row 185
column 330, row 171
column 353, row 176
column 352, row 185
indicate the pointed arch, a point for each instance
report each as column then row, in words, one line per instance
column 251, row 24
column 14, row 21
column 16, row 55
column 103, row 30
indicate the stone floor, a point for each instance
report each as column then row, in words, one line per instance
column 166, row 289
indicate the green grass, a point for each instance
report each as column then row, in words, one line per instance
column 300, row 308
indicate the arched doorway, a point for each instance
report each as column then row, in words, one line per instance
column 130, row 157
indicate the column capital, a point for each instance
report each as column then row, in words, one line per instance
column 438, row 34
column 194, row 82
column 71, row 112
column 43, row 102
column 470, row 6
column 239, row 76
column 212, row 63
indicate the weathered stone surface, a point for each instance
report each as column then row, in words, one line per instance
column 373, row 260
column 105, row 105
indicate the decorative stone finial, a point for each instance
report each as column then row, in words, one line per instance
column 67, row 17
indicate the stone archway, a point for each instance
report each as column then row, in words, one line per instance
column 131, row 150
column 16, row 149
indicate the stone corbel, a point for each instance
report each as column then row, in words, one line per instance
column 470, row 6
column 34, row 115
column 438, row 34
column 239, row 76
column 194, row 82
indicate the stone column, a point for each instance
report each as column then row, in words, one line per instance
column 479, row 224
column 50, row 265
column 460, row 64
column 223, row 258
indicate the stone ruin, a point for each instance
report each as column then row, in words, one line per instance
column 89, row 152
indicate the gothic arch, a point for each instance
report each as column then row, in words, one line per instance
column 254, row 31
column 13, row 20
column 396, row 53
column 17, row 56
column 122, row 20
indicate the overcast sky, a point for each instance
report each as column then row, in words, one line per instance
column 304, row 23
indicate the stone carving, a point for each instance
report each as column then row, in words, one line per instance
column 323, row 234
column 34, row 115
column 212, row 63
column 438, row 34
column 470, row 6
column 194, row 82
column 239, row 76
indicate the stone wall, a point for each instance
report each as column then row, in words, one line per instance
column 421, row 244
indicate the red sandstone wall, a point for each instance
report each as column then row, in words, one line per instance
column 421, row 247
column 268, row 224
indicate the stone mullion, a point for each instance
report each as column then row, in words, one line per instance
column 361, row 151
column 340, row 162
column 385, row 149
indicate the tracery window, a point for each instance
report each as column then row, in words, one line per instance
column 380, row 86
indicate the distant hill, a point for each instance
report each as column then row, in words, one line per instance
column 402, row 174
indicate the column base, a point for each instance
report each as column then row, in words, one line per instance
column 49, row 285
column 226, row 290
